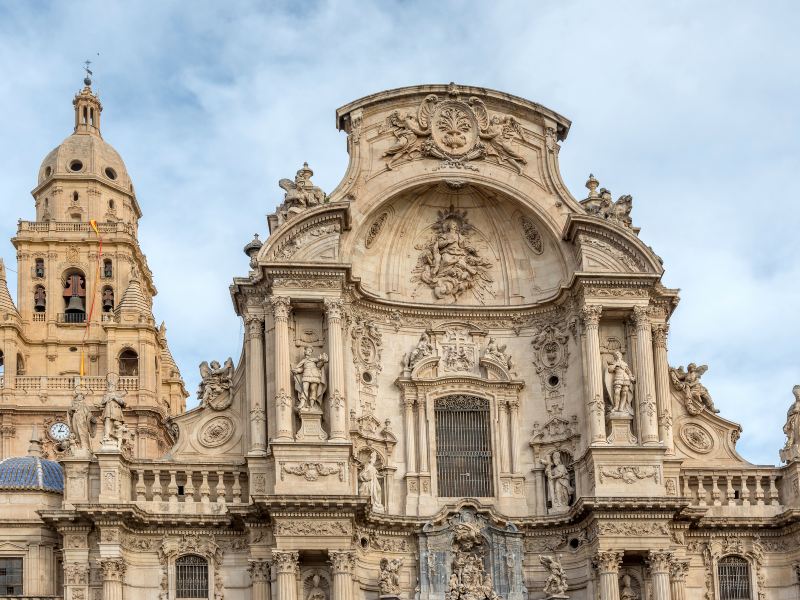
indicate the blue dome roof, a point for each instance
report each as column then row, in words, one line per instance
column 31, row 473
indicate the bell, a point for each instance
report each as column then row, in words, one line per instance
column 39, row 305
column 75, row 305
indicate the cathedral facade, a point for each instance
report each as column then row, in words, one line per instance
column 454, row 385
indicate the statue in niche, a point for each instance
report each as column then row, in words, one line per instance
column 556, row 583
column 216, row 380
column 498, row 353
column 423, row 349
column 620, row 384
column 695, row 393
column 81, row 424
column 389, row 578
column 369, row 482
column 449, row 264
column 791, row 450
column 113, row 420
column 301, row 194
column 316, row 592
column 310, row 381
column 626, row 590
column 559, row 488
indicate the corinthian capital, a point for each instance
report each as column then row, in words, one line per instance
column 641, row 317
column 608, row 561
column 259, row 570
column 659, row 561
column 333, row 308
column 343, row 561
column 113, row 569
column 286, row 561
column 590, row 314
column 281, row 305
column 254, row 326
column 678, row 570
column 660, row 333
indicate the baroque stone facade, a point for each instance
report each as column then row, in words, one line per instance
column 454, row 384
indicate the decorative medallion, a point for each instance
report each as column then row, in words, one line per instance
column 697, row 438
column 216, row 432
column 531, row 235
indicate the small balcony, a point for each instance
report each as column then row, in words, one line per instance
column 73, row 318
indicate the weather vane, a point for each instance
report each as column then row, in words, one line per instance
column 88, row 79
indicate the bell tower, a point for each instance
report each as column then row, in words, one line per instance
column 85, row 291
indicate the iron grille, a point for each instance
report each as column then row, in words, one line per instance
column 10, row 576
column 191, row 577
column 734, row 578
column 463, row 447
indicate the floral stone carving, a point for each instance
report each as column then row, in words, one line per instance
column 449, row 264
column 697, row 438
column 456, row 132
column 216, row 432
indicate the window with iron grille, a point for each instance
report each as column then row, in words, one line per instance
column 463, row 447
column 10, row 576
column 734, row 578
column 191, row 577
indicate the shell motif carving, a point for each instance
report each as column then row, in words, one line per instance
column 216, row 432
column 697, row 438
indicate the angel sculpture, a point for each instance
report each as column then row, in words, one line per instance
column 408, row 137
column 216, row 381
column 310, row 381
column 619, row 384
column 301, row 194
column 497, row 137
column 556, row 583
column 498, row 353
column 620, row 211
column 695, row 393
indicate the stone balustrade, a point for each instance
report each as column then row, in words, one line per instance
column 44, row 382
column 73, row 227
column 731, row 487
column 168, row 487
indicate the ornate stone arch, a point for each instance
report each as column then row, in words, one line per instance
column 206, row 547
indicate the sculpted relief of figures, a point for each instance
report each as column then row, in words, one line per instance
column 301, row 194
column 310, row 381
column 498, row 352
column 791, row 450
column 389, row 582
column 695, row 394
column 449, row 264
column 214, row 390
column 456, row 132
column 600, row 204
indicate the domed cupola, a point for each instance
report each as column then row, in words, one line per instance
column 81, row 161
column 32, row 472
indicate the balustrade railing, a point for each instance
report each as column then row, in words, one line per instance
column 73, row 227
column 189, row 484
column 95, row 384
column 731, row 487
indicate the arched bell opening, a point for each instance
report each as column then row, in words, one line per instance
column 74, row 294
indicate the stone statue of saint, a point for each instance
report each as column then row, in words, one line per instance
column 556, row 583
column 113, row 420
column 310, row 381
column 81, row 422
column 316, row 592
column 423, row 348
column 626, row 591
column 559, row 487
column 498, row 353
column 370, row 484
column 622, row 380
column 791, row 450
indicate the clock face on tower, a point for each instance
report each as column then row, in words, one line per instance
column 59, row 431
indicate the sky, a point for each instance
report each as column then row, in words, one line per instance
column 691, row 107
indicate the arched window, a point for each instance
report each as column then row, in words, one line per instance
column 74, row 297
column 39, row 299
column 463, row 447
column 128, row 363
column 191, row 577
column 38, row 267
column 20, row 365
column 2, row 364
column 734, row 578
column 108, row 268
column 108, row 299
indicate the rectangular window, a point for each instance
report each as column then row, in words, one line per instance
column 191, row 577
column 463, row 447
column 734, row 578
column 10, row 576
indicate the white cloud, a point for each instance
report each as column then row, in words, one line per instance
column 689, row 107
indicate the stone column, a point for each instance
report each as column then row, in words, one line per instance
column 260, row 578
column 502, row 431
column 590, row 315
column 663, row 394
column 608, row 564
column 281, row 305
column 513, row 412
column 411, row 451
column 422, row 422
column 113, row 573
column 286, row 564
column 336, row 393
column 659, row 562
column 677, row 579
column 343, row 563
column 645, row 385
column 254, row 335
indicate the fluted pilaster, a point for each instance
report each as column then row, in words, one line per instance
column 678, row 571
column 260, row 579
column 663, row 394
column 113, row 570
column 608, row 563
column 590, row 316
column 287, row 567
column 645, row 390
column 281, row 307
column 254, row 336
column 659, row 562
column 343, row 564
column 338, row 401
